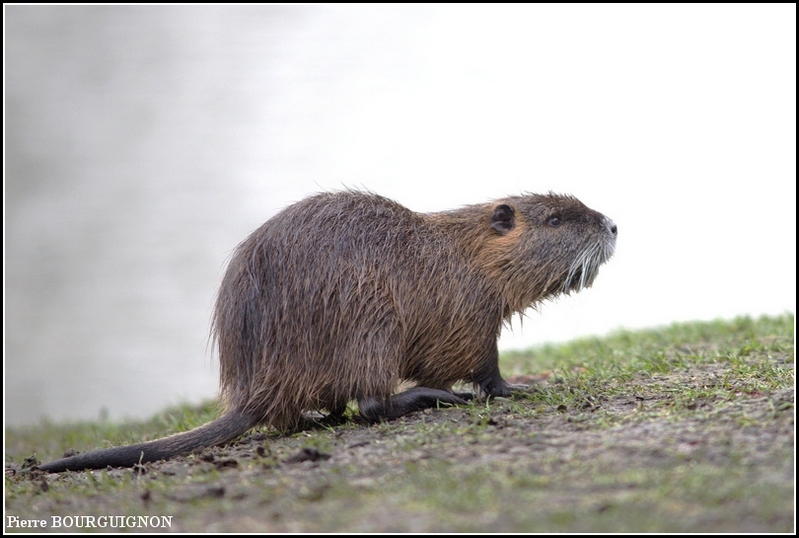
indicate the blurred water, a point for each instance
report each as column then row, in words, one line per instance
column 144, row 142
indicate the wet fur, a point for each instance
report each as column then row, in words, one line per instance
column 342, row 296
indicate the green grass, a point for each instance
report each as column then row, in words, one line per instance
column 749, row 357
column 688, row 428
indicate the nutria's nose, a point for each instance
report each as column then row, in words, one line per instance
column 611, row 225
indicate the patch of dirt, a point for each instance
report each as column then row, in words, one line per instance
column 271, row 483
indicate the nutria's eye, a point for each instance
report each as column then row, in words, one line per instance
column 554, row 221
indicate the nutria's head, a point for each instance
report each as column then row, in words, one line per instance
column 543, row 245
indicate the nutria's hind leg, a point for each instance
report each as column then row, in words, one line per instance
column 414, row 399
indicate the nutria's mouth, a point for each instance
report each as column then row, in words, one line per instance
column 580, row 280
column 576, row 281
column 585, row 267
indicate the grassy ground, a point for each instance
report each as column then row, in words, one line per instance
column 684, row 429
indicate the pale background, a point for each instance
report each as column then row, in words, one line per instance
column 143, row 143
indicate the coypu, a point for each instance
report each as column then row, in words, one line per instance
column 342, row 296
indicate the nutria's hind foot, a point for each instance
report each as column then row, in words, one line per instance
column 414, row 399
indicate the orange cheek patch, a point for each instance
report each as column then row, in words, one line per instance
column 499, row 249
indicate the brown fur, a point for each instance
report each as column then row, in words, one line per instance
column 342, row 296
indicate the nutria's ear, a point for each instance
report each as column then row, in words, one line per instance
column 504, row 219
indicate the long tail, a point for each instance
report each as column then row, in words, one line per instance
column 220, row 431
